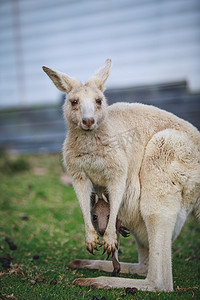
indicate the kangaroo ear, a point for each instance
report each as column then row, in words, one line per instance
column 62, row 81
column 101, row 76
column 94, row 199
column 104, row 198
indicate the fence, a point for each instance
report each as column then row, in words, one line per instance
column 42, row 130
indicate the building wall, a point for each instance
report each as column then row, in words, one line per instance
column 150, row 42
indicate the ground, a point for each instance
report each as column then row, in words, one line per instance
column 41, row 216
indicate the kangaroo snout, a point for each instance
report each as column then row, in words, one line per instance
column 88, row 123
column 101, row 232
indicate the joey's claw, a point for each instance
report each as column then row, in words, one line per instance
column 124, row 231
column 126, row 235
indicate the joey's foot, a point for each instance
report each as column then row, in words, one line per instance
column 115, row 272
column 92, row 242
column 110, row 243
column 116, row 266
column 124, row 231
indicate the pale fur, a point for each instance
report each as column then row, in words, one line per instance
column 147, row 160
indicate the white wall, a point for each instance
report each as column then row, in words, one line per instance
column 150, row 41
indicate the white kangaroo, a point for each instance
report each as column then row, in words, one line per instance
column 146, row 159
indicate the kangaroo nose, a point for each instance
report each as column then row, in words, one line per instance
column 101, row 232
column 88, row 121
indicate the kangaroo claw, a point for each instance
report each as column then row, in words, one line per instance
column 108, row 252
column 95, row 248
column 90, row 250
column 108, row 255
column 105, row 248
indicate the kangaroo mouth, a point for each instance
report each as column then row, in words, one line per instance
column 87, row 128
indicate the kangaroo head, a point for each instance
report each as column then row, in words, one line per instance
column 85, row 105
column 100, row 213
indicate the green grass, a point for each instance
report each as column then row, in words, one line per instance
column 55, row 232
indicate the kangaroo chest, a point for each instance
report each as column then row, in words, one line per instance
column 94, row 158
column 94, row 167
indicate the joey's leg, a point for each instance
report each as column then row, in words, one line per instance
column 116, row 264
column 115, row 260
column 83, row 189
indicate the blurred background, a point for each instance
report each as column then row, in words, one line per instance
column 154, row 45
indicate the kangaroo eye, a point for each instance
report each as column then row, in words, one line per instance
column 74, row 102
column 94, row 217
column 98, row 101
column 108, row 216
